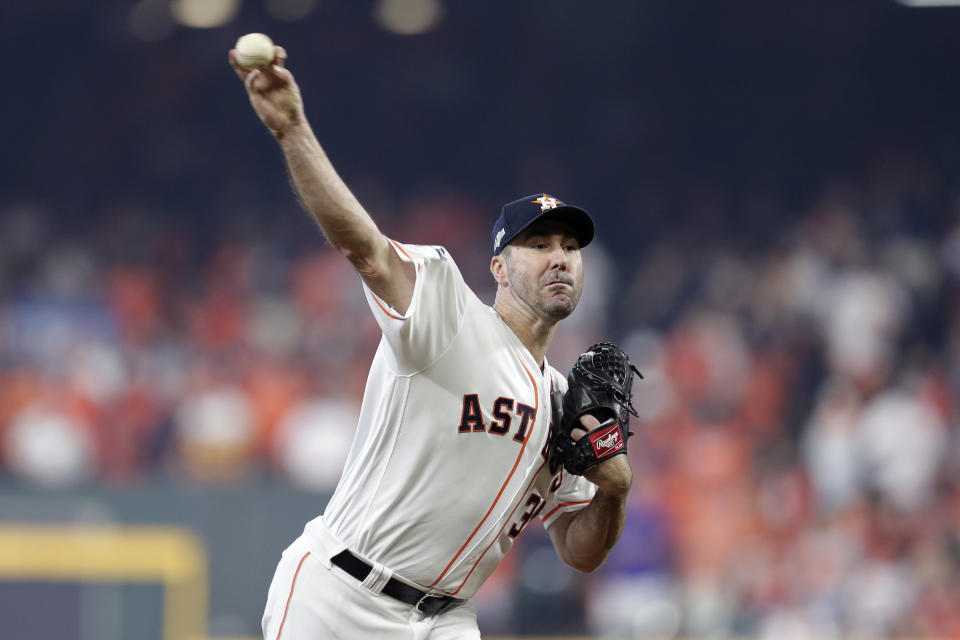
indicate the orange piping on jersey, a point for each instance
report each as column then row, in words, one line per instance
column 497, row 537
column 536, row 408
column 562, row 505
column 290, row 597
column 400, row 249
column 384, row 309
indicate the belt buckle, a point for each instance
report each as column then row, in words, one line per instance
column 425, row 598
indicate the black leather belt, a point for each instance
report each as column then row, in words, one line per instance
column 423, row 602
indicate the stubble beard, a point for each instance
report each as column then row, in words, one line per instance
column 556, row 308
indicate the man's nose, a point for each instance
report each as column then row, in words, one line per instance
column 558, row 257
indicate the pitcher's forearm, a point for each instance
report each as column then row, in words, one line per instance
column 276, row 99
column 342, row 218
column 595, row 530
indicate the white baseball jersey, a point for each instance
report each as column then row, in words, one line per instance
column 449, row 462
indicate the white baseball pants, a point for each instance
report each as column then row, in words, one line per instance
column 311, row 599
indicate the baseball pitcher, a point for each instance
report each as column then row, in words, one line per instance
column 466, row 433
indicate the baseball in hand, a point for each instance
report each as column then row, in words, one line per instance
column 254, row 51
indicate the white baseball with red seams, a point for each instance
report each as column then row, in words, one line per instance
column 254, row 50
column 449, row 462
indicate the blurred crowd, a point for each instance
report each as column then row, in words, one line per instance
column 774, row 252
column 797, row 455
column 799, row 458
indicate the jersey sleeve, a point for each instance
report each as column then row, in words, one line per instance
column 575, row 492
column 433, row 319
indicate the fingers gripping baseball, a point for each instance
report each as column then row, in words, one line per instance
column 273, row 92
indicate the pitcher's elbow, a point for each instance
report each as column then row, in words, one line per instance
column 584, row 565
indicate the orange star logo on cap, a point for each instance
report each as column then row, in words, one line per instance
column 547, row 202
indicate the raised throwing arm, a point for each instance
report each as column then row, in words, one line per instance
column 276, row 99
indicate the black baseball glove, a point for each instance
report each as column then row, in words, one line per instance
column 598, row 384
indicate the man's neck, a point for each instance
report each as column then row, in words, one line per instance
column 535, row 333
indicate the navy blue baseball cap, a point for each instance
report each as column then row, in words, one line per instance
column 520, row 214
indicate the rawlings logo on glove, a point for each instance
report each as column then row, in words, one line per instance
column 606, row 441
column 600, row 384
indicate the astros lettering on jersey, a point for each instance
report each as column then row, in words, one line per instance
column 449, row 462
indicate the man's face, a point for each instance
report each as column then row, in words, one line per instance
column 544, row 269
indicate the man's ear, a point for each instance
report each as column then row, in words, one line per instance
column 498, row 267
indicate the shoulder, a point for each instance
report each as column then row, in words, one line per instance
column 423, row 253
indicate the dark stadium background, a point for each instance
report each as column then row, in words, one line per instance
column 712, row 142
